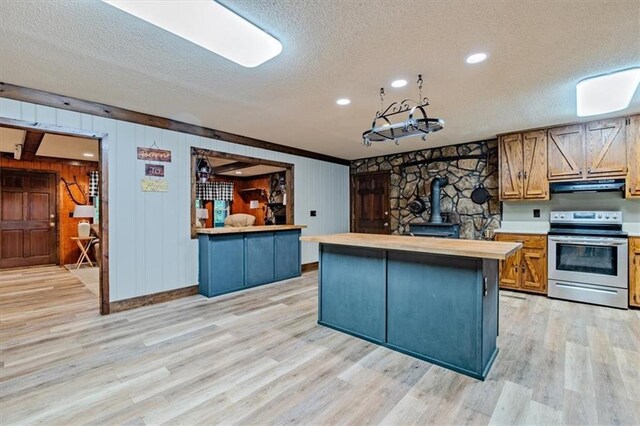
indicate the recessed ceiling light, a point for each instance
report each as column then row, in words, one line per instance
column 398, row 83
column 343, row 101
column 238, row 172
column 88, row 154
column 476, row 58
column 207, row 24
column 606, row 93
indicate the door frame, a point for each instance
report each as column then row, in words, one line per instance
column 352, row 196
column 103, row 184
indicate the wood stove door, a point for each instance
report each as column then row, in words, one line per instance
column 370, row 203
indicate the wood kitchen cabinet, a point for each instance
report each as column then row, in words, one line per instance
column 634, row 272
column 606, row 151
column 632, row 135
column 525, row 270
column 523, row 166
column 566, row 153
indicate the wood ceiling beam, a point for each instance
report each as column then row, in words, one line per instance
column 231, row 167
column 32, row 141
column 25, row 94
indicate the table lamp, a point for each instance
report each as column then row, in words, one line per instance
column 202, row 215
column 83, row 212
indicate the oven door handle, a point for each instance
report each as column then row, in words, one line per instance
column 609, row 242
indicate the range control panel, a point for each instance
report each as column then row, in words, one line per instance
column 594, row 217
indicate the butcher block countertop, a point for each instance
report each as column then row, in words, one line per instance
column 245, row 229
column 444, row 246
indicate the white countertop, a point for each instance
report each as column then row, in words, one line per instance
column 517, row 227
column 631, row 228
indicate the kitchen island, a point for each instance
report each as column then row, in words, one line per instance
column 433, row 298
column 235, row 258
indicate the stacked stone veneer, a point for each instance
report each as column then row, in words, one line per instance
column 407, row 183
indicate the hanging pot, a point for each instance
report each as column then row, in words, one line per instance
column 417, row 206
column 480, row 195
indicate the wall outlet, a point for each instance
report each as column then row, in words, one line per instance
column 313, row 213
column 536, row 212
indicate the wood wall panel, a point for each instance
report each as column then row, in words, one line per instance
column 68, row 251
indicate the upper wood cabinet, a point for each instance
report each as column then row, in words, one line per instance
column 526, row 269
column 523, row 166
column 632, row 136
column 606, row 148
column 566, row 153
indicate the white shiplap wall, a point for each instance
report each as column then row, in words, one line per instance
column 150, row 247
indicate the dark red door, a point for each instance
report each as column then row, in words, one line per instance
column 27, row 218
column 370, row 198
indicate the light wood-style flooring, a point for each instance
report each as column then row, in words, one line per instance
column 260, row 358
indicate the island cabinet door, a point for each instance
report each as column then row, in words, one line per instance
column 221, row 264
column 259, row 264
column 434, row 308
column 287, row 249
column 352, row 290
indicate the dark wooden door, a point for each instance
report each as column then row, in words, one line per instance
column 370, row 198
column 27, row 218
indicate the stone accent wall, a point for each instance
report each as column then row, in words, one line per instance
column 407, row 183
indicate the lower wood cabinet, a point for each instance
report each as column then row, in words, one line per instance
column 634, row 272
column 525, row 270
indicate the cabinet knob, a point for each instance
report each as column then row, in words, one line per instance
column 519, row 175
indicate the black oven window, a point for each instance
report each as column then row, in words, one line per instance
column 588, row 259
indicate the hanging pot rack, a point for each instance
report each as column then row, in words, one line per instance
column 418, row 122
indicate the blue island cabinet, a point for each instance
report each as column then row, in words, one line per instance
column 442, row 309
column 235, row 260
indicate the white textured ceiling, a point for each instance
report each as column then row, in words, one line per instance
column 538, row 51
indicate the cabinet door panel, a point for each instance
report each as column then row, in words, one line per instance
column 606, row 148
column 353, row 299
column 511, row 167
column 634, row 272
column 534, row 270
column 287, row 254
column 510, row 267
column 565, row 149
column 259, row 258
column 221, row 264
column 536, row 184
column 632, row 134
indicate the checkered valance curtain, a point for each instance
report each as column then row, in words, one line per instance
column 214, row 191
column 93, row 184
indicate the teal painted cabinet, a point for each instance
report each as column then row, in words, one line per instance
column 235, row 261
column 442, row 309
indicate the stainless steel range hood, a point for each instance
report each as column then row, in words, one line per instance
column 607, row 185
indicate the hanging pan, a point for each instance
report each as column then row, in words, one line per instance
column 480, row 195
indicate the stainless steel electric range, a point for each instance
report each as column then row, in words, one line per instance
column 588, row 253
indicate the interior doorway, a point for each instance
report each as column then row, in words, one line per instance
column 51, row 180
column 370, row 203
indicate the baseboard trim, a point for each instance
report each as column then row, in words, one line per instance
column 152, row 299
column 308, row 267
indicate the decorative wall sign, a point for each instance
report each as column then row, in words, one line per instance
column 156, row 170
column 152, row 154
column 154, row 185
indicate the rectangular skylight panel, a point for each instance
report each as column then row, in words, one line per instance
column 607, row 93
column 207, row 24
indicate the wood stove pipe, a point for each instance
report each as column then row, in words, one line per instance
column 436, row 186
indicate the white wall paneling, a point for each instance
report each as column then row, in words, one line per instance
column 150, row 245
